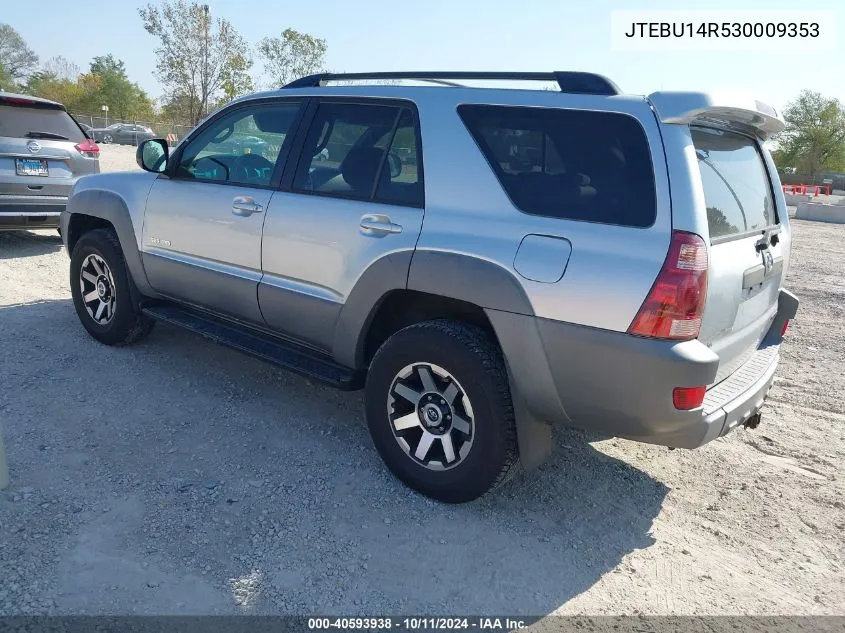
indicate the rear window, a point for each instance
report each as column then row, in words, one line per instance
column 737, row 190
column 577, row 165
column 27, row 122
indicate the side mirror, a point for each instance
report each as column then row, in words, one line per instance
column 395, row 164
column 152, row 155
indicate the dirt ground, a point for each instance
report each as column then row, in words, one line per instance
column 176, row 476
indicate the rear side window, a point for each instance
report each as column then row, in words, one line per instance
column 361, row 151
column 38, row 123
column 737, row 190
column 571, row 164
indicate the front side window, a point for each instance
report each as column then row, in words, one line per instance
column 240, row 147
column 737, row 190
column 361, row 151
column 569, row 164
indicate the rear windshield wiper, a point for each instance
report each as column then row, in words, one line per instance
column 52, row 135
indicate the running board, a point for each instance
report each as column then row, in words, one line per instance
column 286, row 355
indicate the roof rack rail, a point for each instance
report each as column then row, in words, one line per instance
column 569, row 81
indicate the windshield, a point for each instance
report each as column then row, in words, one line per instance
column 737, row 190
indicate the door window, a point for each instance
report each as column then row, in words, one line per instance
column 240, row 147
column 361, row 151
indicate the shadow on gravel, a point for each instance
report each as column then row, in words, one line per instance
column 191, row 479
column 15, row 244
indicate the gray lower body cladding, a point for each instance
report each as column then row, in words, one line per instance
column 621, row 385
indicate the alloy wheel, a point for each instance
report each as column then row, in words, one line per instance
column 97, row 289
column 431, row 416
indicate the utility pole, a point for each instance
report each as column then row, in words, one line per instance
column 205, row 63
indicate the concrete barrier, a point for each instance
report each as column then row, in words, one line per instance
column 794, row 200
column 834, row 213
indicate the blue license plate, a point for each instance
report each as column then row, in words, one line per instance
column 31, row 167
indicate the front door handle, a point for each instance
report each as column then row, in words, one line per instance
column 377, row 224
column 245, row 206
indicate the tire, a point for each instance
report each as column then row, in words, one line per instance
column 107, row 138
column 120, row 321
column 469, row 357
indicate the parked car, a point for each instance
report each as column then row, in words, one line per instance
column 42, row 153
column 627, row 279
column 86, row 128
column 122, row 134
column 239, row 144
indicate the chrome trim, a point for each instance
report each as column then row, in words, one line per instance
column 33, row 156
column 30, row 214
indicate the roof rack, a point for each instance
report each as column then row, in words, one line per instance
column 569, row 81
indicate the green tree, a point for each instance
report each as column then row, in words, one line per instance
column 814, row 139
column 48, row 85
column 237, row 80
column 292, row 55
column 176, row 109
column 7, row 82
column 16, row 58
column 197, row 57
column 103, row 64
column 125, row 99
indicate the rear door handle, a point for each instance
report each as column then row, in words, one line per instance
column 245, row 206
column 377, row 224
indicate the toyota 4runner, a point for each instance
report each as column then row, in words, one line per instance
column 483, row 262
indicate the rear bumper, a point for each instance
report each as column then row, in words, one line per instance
column 620, row 385
column 741, row 395
column 30, row 212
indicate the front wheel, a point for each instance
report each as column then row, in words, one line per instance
column 99, row 285
column 439, row 410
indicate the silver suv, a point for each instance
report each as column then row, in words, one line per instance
column 484, row 262
column 42, row 153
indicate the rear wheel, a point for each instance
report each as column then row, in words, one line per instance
column 107, row 138
column 439, row 410
column 100, row 287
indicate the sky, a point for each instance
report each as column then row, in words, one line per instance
column 527, row 35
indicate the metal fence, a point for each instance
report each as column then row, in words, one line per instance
column 161, row 129
column 835, row 181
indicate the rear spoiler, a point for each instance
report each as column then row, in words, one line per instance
column 724, row 111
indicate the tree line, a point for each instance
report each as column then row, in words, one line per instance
column 202, row 62
column 813, row 143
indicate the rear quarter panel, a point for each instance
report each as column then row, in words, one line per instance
column 610, row 269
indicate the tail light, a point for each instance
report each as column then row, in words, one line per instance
column 686, row 398
column 88, row 148
column 675, row 303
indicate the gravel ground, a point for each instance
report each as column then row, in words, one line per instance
column 117, row 158
column 177, row 476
